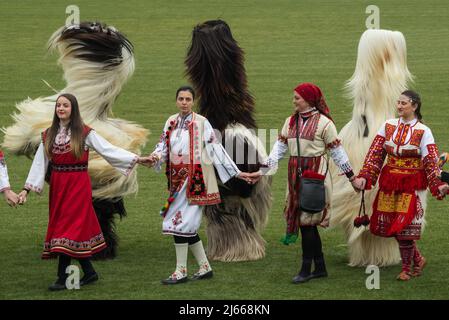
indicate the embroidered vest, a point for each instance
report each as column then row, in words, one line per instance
column 202, row 188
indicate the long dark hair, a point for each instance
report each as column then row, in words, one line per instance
column 416, row 100
column 76, row 126
column 215, row 67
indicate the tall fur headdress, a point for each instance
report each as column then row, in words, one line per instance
column 215, row 66
column 97, row 61
column 380, row 75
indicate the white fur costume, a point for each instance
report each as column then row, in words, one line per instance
column 381, row 74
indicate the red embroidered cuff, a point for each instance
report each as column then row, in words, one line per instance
column 334, row 144
column 282, row 138
column 4, row 189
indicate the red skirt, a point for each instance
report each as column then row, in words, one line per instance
column 73, row 227
column 397, row 210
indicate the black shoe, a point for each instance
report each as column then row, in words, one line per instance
column 320, row 267
column 322, row 274
column 174, row 281
column 88, row 279
column 207, row 275
column 57, row 286
column 301, row 279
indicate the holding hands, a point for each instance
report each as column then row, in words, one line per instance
column 148, row 161
column 11, row 197
column 152, row 159
column 358, row 184
column 250, row 178
column 443, row 189
column 23, row 196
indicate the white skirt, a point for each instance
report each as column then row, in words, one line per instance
column 182, row 219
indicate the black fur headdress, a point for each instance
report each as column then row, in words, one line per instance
column 96, row 42
column 215, row 66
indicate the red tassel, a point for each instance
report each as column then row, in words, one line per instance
column 357, row 222
column 402, row 182
column 313, row 175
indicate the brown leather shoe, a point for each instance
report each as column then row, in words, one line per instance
column 417, row 270
column 404, row 276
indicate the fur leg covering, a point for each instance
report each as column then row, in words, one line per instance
column 105, row 210
column 234, row 226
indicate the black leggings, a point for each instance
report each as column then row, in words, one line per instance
column 311, row 242
column 64, row 262
column 189, row 240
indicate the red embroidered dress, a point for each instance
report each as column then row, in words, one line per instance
column 73, row 228
column 411, row 167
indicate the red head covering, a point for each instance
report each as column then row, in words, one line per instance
column 312, row 94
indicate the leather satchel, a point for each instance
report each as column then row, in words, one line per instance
column 312, row 194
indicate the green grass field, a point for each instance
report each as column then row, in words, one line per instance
column 286, row 42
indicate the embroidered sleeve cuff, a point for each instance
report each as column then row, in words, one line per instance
column 31, row 187
column 131, row 166
column 4, row 189
column 350, row 175
column 334, row 144
column 283, row 139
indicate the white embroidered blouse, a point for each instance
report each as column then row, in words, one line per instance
column 179, row 144
column 123, row 160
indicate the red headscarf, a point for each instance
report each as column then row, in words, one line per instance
column 312, row 94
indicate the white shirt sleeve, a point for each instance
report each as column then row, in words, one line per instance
column 36, row 176
column 278, row 152
column 121, row 159
column 4, row 179
column 425, row 141
column 340, row 157
column 225, row 166
column 381, row 131
column 161, row 149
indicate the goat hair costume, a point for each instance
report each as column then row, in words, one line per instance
column 381, row 74
column 97, row 60
column 214, row 65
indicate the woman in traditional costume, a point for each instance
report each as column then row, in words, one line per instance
column 190, row 150
column 10, row 196
column 411, row 168
column 311, row 121
column 62, row 159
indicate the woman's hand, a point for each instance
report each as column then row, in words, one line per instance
column 443, row 189
column 358, row 184
column 23, row 197
column 11, row 197
column 255, row 176
column 148, row 161
column 244, row 176
column 250, row 178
